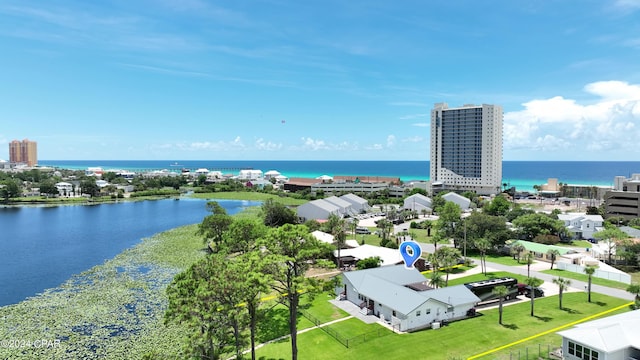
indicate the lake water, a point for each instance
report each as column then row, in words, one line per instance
column 41, row 247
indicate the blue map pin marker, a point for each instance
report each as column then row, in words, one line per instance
column 410, row 251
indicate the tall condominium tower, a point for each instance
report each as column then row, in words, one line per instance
column 466, row 148
column 23, row 152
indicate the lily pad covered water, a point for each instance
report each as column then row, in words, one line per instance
column 114, row 310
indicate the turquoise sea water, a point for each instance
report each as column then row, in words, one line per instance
column 521, row 174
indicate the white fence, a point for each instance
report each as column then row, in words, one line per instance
column 599, row 273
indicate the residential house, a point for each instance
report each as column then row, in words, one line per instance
column 581, row 225
column 541, row 251
column 250, row 174
column 64, row 188
column 611, row 338
column 402, row 298
column 387, row 256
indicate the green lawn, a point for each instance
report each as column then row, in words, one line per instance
column 585, row 278
column 583, row 244
column 458, row 340
column 321, row 308
column 249, row 195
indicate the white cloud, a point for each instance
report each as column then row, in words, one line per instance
column 261, row 144
column 414, row 139
column 601, row 129
column 420, row 124
column 391, row 141
column 312, row 144
column 413, row 116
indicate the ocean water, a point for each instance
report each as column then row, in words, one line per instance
column 521, row 174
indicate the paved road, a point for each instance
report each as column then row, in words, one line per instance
column 576, row 284
column 580, row 285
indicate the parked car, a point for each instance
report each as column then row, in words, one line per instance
column 524, row 289
column 362, row 230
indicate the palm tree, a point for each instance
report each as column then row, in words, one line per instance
column 635, row 290
column 516, row 250
column 589, row 270
column 563, row 284
column 528, row 258
column 500, row 291
column 336, row 226
column 483, row 245
column 552, row 254
column 533, row 283
column 436, row 279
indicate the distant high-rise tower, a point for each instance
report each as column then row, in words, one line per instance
column 466, row 148
column 23, row 152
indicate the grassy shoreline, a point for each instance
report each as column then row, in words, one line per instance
column 113, row 310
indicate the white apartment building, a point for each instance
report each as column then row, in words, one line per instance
column 466, row 148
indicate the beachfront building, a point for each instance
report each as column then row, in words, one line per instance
column 466, row 148
column 611, row 338
column 250, row 174
column 341, row 187
column 624, row 199
column 581, row 225
column 402, row 298
column 23, row 152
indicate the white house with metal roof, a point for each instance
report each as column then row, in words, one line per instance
column 402, row 298
column 582, row 225
column 317, row 210
column 611, row 338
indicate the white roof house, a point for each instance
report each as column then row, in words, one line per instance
column 417, row 202
column 271, row 174
column 250, row 174
column 401, row 297
column 387, row 255
column 202, row 171
column 317, row 210
column 345, row 206
column 611, row 338
column 323, row 236
column 458, row 199
column 358, row 204
column 581, row 224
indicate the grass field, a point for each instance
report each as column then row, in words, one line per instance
column 585, row 278
column 249, row 195
column 458, row 340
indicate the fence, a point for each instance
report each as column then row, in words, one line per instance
column 599, row 273
column 347, row 342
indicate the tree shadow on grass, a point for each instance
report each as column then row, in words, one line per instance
column 600, row 303
column 510, row 326
column 273, row 323
column 571, row 311
column 543, row 318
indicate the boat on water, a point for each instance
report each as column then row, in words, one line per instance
column 176, row 164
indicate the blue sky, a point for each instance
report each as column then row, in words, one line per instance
column 317, row 80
